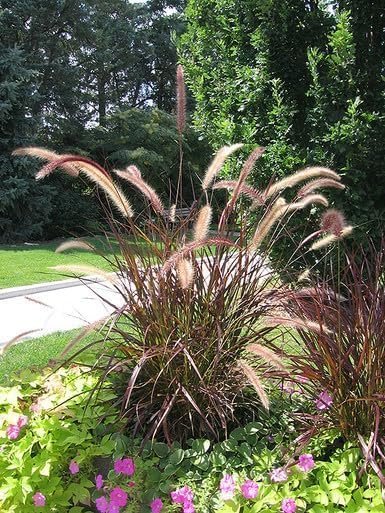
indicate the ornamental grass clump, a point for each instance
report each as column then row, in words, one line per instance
column 341, row 363
column 194, row 306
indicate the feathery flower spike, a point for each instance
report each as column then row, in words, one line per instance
column 180, row 100
column 217, row 164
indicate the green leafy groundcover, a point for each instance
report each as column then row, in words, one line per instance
column 58, row 456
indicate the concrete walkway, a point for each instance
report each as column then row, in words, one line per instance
column 50, row 307
column 69, row 304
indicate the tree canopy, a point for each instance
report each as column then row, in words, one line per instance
column 66, row 68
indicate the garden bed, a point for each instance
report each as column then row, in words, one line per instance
column 61, row 454
column 193, row 399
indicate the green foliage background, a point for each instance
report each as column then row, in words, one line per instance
column 71, row 72
column 305, row 79
column 302, row 77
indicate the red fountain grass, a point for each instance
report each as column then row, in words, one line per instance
column 343, row 367
column 187, row 340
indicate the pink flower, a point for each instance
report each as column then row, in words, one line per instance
column 102, row 504
column 118, row 497
column 99, row 481
column 278, row 475
column 156, row 505
column 249, row 489
column 227, row 487
column 38, row 499
column 13, row 431
column 73, row 467
column 124, row 466
column 22, row 421
column 182, row 495
column 324, row 401
column 113, row 508
column 306, row 462
column 288, row 506
column 188, row 507
column 35, row 407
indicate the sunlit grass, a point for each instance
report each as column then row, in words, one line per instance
column 39, row 352
column 22, row 264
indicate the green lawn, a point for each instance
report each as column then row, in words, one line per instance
column 39, row 352
column 27, row 264
column 22, row 264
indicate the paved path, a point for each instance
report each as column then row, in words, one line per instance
column 64, row 306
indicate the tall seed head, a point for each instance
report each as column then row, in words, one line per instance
column 217, row 164
column 75, row 244
column 86, row 270
column 185, row 272
column 180, row 100
column 50, row 156
column 308, row 200
column 304, row 276
column 202, row 224
column 94, row 172
column 319, row 183
column 172, row 214
column 254, row 380
column 329, row 239
column 252, row 193
column 246, row 170
column 333, row 221
column 300, row 176
column 277, row 210
column 133, row 175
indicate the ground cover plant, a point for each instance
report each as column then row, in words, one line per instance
column 43, row 440
column 57, row 456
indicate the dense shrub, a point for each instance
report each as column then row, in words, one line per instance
column 149, row 140
column 73, row 210
column 29, row 211
column 299, row 79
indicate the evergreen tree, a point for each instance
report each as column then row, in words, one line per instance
column 128, row 55
column 85, row 60
column 24, row 205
